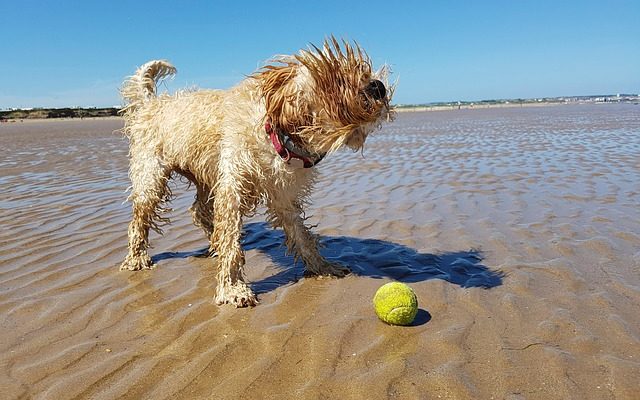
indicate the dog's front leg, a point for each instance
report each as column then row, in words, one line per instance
column 227, row 230
column 302, row 243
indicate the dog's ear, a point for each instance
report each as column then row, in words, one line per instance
column 284, row 97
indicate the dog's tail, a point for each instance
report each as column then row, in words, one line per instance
column 142, row 85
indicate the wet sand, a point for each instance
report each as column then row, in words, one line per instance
column 519, row 230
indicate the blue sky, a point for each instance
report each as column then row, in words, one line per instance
column 76, row 53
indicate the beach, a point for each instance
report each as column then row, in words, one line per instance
column 518, row 229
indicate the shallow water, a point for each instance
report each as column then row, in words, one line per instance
column 519, row 230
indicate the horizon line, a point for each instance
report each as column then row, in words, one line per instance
column 431, row 103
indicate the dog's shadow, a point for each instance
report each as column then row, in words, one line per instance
column 365, row 257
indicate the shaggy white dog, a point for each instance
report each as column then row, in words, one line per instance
column 255, row 143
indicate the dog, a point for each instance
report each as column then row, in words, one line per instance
column 254, row 144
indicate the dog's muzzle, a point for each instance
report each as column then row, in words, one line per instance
column 376, row 90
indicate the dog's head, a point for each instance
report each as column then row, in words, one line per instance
column 326, row 97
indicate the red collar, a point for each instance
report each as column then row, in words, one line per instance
column 288, row 151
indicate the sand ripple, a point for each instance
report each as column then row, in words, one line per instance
column 519, row 229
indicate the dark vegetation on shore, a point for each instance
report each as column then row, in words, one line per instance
column 45, row 113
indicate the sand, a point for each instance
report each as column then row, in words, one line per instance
column 519, row 230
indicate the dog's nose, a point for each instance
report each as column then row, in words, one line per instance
column 376, row 89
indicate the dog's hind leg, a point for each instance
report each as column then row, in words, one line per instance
column 149, row 188
column 202, row 210
column 202, row 207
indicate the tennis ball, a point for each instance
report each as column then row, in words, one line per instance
column 396, row 303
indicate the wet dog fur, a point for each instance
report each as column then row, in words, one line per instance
column 323, row 98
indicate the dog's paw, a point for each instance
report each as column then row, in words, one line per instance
column 136, row 263
column 239, row 295
column 328, row 269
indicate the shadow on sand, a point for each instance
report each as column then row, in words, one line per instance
column 365, row 257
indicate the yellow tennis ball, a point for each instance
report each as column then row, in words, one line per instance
column 396, row 303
